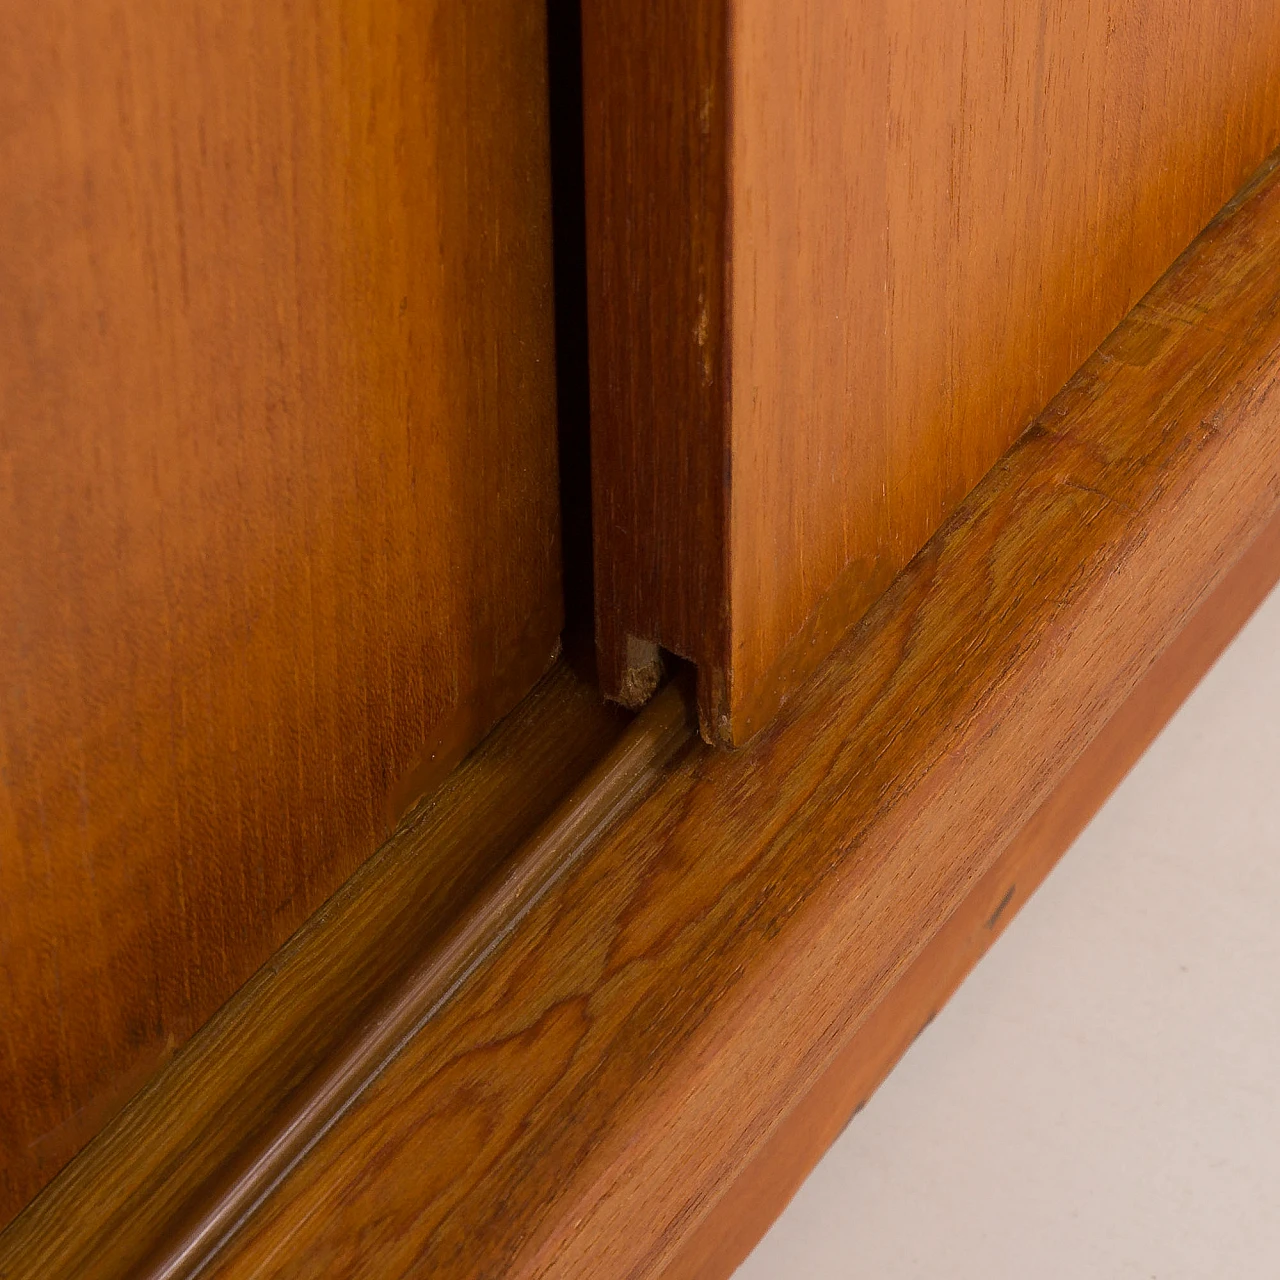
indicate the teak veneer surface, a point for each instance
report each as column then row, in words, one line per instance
column 278, row 510
column 840, row 255
column 603, row 1077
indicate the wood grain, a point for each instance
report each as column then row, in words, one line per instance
column 632, row 768
column 775, row 1173
column 118, row 1199
column 597, row 1083
column 656, row 204
column 278, row 514
column 868, row 242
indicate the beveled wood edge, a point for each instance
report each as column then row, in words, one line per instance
column 658, row 408
column 763, row 1189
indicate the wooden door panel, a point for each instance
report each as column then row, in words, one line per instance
column 840, row 256
column 278, row 508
